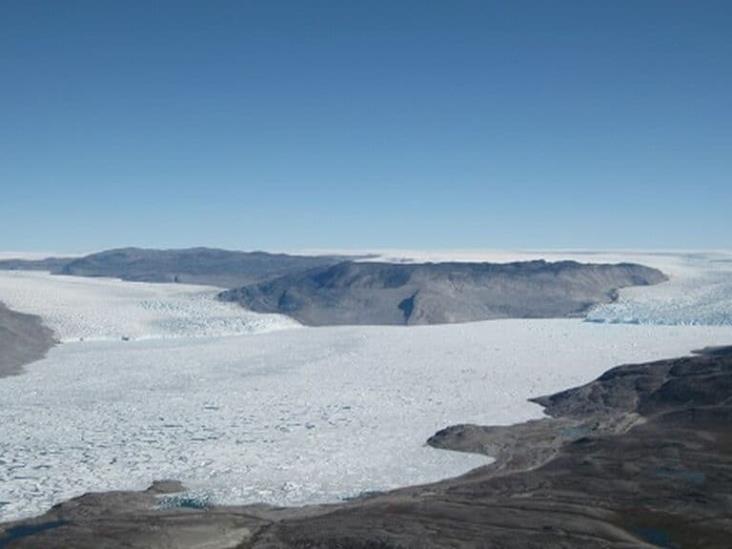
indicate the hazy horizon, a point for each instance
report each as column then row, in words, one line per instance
column 390, row 254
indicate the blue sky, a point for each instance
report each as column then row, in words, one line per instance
column 353, row 124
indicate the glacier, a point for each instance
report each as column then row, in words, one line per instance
column 698, row 292
column 246, row 408
column 105, row 309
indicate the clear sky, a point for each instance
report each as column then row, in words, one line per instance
column 365, row 124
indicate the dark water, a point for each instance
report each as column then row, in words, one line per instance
column 19, row 532
column 657, row 537
column 685, row 475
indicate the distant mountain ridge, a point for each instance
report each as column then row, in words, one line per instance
column 209, row 266
column 434, row 293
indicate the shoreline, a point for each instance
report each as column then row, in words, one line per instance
column 24, row 339
column 571, row 479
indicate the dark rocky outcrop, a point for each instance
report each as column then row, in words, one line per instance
column 23, row 339
column 641, row 457
column 433, row 293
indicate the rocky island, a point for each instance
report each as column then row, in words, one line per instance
column 437, row 293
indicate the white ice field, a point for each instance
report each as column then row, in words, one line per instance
column 246, row 408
